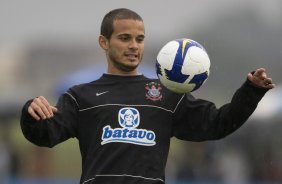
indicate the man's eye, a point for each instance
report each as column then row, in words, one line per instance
column 139, row 40
column 124, row 38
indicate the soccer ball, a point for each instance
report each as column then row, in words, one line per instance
column 183, row 65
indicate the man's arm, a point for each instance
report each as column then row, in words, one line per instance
column 46, row 125
column 200, row 120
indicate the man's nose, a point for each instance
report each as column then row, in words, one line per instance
column 133, row 44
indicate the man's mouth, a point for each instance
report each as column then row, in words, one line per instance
column 131, row 56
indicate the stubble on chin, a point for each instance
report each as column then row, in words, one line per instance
column 123, row 66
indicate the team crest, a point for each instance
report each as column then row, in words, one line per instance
column 153, row 92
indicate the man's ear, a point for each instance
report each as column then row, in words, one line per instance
column 103, row 42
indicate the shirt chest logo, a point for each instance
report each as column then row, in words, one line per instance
column 129, row 120
column 153, row 91
column 101, row 93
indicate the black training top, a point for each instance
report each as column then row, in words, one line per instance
column 124, row 125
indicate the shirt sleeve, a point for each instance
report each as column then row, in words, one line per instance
column 200, row 120
column 51, row 131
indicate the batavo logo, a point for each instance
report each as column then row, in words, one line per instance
column 129, row 120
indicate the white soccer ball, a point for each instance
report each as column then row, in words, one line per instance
column 183, row 65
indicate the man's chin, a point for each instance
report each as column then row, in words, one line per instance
column 128, row 67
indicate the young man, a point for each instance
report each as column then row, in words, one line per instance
column 123, row 128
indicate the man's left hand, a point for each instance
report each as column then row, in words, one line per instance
column 260, row 79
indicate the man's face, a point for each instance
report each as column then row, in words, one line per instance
column 126, row 46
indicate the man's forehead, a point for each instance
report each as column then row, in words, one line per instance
column 129, row 19
column 128, row 24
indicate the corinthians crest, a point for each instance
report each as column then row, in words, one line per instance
column 153, row 92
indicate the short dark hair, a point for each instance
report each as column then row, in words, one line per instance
column 107, row 27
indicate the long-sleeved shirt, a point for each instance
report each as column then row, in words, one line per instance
column 124, row 125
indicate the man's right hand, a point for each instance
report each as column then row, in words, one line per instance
column 41, row 109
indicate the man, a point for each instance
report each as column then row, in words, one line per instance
column 95, row 113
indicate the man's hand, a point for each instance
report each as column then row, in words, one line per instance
column 40, row 109
column 260, row 79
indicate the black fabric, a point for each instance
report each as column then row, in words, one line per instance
column 111, row 150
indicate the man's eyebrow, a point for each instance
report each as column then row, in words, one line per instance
column 124, row 34
column 130, row 34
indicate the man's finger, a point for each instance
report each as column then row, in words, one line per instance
column 250, row 76
column 267, row 80
column 39, row 108
column 253, row 78
column 46, row 104
column 270, row 86
column 33, row 113
column 42, row 107
column 54, row 109
column 259, row 72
